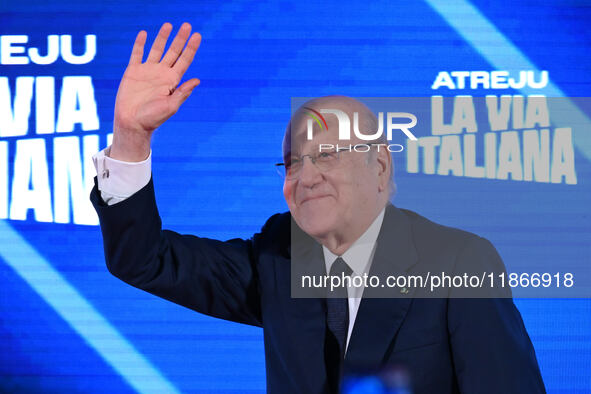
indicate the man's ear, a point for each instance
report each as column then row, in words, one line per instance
column 384, row 162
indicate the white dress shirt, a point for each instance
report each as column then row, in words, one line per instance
column 118, row 180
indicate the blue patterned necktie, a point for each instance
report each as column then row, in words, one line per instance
column 337, row 321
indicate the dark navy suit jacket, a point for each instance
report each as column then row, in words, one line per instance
column 447, row 345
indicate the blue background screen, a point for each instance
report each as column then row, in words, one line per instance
column 67, row 325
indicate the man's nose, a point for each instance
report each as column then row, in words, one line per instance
column 309, row 174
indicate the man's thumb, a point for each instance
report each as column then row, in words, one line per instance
column 185, row 90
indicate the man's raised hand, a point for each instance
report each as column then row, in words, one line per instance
column 149, row 92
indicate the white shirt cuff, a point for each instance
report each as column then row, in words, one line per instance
column 118, row 180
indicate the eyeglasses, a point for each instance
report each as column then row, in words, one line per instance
column 324, row 161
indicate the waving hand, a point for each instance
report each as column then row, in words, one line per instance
column 149, row 92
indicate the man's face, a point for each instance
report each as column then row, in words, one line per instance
column 332, row 202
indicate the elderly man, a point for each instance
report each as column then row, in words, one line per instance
column 340, row 223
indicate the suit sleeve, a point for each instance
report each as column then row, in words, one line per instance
column 209, row 276
column 491, row 350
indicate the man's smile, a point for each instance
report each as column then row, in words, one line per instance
column 314, row 198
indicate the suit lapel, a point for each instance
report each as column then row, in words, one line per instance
column 383, row 310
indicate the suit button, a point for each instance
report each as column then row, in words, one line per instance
column 404, row 290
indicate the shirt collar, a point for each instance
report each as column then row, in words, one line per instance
column 359, row 255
